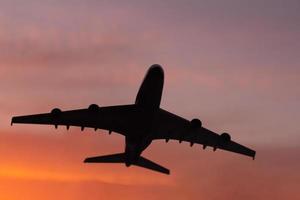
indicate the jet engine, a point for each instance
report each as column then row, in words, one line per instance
column 225, row 137
column 196, row 123
column 55, row 115
column 93, row 108
column 55, row 112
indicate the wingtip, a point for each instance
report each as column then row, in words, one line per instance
column 166, row 171
column 86, row 160
column 254, row 154
column 12, row 121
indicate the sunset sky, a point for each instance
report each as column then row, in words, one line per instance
column 234, row 64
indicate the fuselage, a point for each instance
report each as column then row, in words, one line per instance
column 148, row 102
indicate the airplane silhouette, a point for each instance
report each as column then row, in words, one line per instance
column 140, row 123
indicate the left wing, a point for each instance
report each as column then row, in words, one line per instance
column 169, row 126
column 112, row 118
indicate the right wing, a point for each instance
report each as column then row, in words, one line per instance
column 113, row 118
column 170, row 126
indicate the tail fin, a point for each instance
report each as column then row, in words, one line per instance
column 120, row 158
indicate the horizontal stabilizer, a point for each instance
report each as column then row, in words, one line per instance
column 144, row 162
column 120, row 158
column 114, row 158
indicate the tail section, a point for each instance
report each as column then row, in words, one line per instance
column 120, row 158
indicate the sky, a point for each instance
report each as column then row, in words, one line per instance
column 233, row 64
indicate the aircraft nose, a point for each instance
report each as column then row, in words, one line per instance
column 156, row 69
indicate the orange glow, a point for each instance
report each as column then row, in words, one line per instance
column 232, row 64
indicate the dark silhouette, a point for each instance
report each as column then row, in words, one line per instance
column 140, row 123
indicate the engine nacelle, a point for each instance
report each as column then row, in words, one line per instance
column 55, row 112
column 93, row 108
column 196, row 123
column 225, row 137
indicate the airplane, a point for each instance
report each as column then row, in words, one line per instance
column 140, row 123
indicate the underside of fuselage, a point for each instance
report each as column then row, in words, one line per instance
column 148, row 101
column 136, row 141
